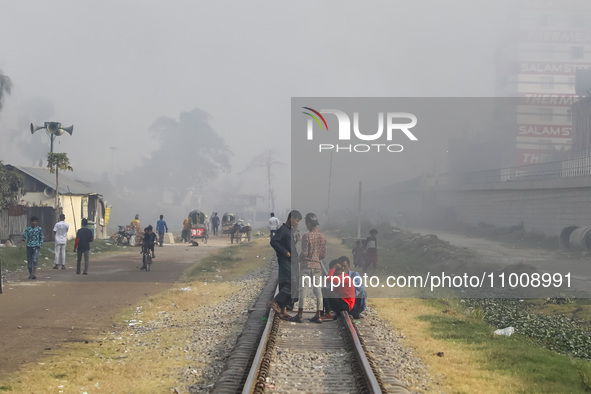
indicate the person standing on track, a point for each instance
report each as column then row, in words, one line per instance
column 60, row 233
column 161, row 228
column 82, row 245
column 284, row 243
column 313, row 251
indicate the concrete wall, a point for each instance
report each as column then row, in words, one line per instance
column 541, row 206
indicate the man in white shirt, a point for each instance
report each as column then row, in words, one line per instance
column 273, row 224
column 60, row 233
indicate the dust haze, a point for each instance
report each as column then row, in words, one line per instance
column 187, row 105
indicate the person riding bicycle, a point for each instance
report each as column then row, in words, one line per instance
column 148, row 242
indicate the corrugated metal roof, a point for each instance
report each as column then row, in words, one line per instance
column 44, row 176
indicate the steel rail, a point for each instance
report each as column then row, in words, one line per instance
column 366, row 368
column 256, row 363
column 256, row 378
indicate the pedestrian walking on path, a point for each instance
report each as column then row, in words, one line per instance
column 82, row 245
column 273, row 225
column 60, row 233
column 161, row 228
column 34, row 237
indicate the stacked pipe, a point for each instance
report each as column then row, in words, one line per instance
column 576, row 237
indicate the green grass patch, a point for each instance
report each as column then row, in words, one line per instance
column 233, row 261
column 224, row 259
column 576, row 308
column 558, row 332
column 542, row 370
column 540, row 322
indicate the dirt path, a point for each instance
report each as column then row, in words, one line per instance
column 60, row 306
column 544, row 260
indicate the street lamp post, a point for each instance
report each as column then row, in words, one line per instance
column 55, row 129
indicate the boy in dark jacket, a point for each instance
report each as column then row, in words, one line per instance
column 148, row 242
column 283, row 242
column 83, row 239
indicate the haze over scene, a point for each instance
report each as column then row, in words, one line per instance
column 113, row 69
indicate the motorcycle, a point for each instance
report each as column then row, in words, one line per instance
column 125, row 234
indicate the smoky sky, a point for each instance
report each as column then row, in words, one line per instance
column 113, row 68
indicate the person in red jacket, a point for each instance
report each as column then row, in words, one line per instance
column 341, row 296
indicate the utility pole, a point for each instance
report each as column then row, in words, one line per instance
column 359, row 214
column 271, row 194
column 329, row 183
column 113, row 149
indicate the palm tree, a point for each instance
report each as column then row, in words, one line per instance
column 5, row 87
column 55, row 162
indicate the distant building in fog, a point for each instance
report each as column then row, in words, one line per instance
column 582, row 125
column 77, row 199
column 537, row 59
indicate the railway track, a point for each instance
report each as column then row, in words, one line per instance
column 278, row 356
column 314, row 358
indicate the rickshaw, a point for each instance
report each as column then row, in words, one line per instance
column 228, row 220
column 198, row 223
column 235, row 228
column 240, row 231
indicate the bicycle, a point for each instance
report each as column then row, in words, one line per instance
column 146, row 259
